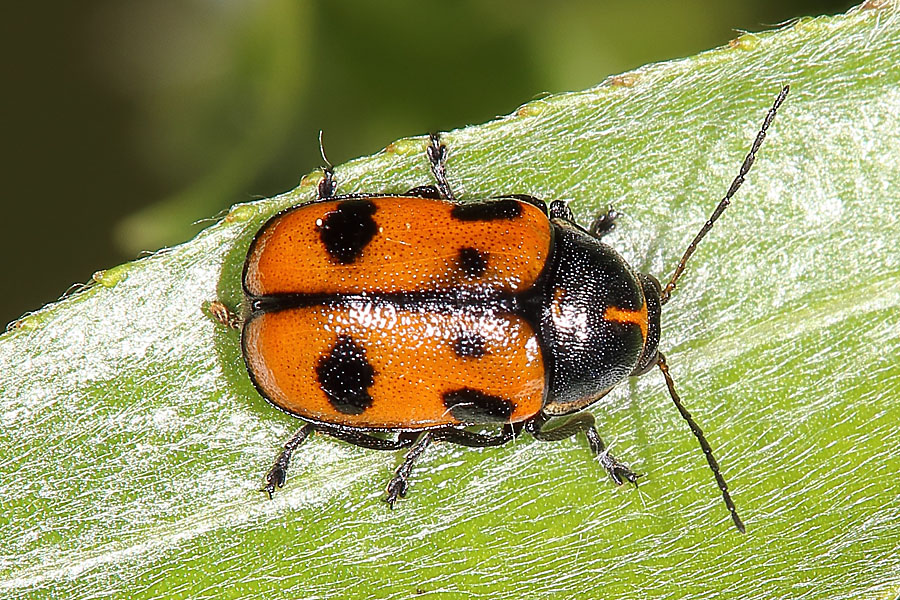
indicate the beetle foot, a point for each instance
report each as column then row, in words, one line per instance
column 396, row 488
column 618, row 471
column 275, row 478
column 605, row 222
column 224, row 315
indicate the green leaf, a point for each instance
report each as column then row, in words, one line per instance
column 134, row 444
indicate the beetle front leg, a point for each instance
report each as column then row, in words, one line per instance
column 617, row 470
column 560, row 210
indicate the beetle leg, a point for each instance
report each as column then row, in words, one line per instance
column 437, row 156
column 604, row 223
column 327, row 185
column 224, row 315
column 399, row 483
column 278, row 473
column 618, row 471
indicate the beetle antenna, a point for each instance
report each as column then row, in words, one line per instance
column 704, row 445
column 735, row 185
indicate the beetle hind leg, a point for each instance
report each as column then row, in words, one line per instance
column 277, row 475
column 224, row 315
column 618, row 471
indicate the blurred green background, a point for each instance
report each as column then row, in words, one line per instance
column 124, row 121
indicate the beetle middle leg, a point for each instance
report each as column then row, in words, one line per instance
column 618, row 471
column 399, row 483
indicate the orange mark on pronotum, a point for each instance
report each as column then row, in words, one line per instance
column 622, row 315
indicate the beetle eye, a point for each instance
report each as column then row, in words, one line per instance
column 656, row 284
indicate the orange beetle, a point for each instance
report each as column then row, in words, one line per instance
column 421, row 315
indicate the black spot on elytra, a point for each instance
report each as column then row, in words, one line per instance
column 469, row 344
column 472, row 262
column 346, row 230
column 473, row 406
column 492, row 210
column 345, row 376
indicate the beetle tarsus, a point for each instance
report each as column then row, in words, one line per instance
column 437, row 156
column 396, row 489
column 604, row 223
column 618, row 471
column 399, row 483
column 275, row 478
column 224, row 315
column 327, row 185
column 277, row 475
column 583, row 422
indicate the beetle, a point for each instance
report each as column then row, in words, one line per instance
column 420, row 315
